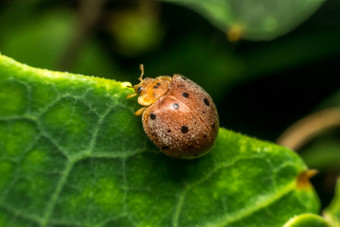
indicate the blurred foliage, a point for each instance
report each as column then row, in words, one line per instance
column 41, row 38
column 332, row 212
column 253, row 20
column 136, row 31
column 323, row 152
column 260, row 88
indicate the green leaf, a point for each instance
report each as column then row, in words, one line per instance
column 307, row 220
column 73, row 154
column 332, row 212
column 253, row 20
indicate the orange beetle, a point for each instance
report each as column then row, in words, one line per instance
column 178, row 116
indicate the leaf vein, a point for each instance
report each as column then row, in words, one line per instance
column 56, row 193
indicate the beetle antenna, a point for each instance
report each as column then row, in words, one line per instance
column 141, row 66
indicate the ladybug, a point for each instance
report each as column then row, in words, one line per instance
column 178, row 116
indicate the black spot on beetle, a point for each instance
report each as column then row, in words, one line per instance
column 203, row 112
column 206, row 101
column 175, row 105
column 155, row 87
column 184, row 129
column 153, row 116
column 158, row 84
column 169, row 130
column 165, row 148
column 205, row 136
column 185, row 95
column 213, row 125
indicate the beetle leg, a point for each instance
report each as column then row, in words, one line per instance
column 131, row 95
column 140, row 111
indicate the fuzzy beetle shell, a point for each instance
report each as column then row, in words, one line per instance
column 183, row 121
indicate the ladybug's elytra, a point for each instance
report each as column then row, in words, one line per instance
column 177, row 114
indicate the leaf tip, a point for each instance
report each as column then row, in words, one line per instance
column 303, row 178
column 235, row 33
column 126, row 84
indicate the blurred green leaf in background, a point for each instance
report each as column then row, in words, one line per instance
column 254, row 20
